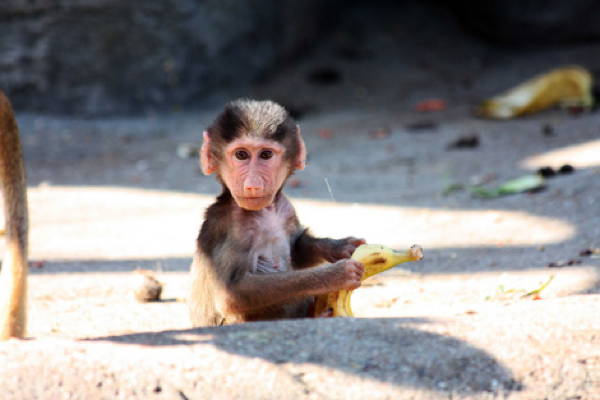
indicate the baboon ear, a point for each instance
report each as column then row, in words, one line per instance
column 300, row 161
column 207, row 162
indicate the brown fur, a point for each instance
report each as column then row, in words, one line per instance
column 13, row 278
column 258, row 263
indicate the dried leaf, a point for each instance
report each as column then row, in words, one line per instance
column 431, row 105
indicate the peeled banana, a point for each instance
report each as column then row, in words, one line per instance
column 376, row 259
column 567, row 87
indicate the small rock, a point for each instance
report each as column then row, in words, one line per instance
column 149, row 288
column 589, row 252
column 566, row 169
column 465, row 142
column 548, row 130
column 546, row 172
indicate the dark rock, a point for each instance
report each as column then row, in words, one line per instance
column 548, row 130
column 566, row 169
column 109, row 56
column 546, row 172
column 465, row 142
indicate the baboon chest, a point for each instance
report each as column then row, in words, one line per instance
column 270, row 234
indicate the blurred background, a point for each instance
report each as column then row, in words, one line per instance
column 107, row 57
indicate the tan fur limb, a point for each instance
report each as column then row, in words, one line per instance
column 13, row 277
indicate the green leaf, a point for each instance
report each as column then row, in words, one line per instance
column 521, row 184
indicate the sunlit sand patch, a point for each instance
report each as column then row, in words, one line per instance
column 433, row 228
column 71, row 223
column 467, row 292
column 75, row 223
column 583, row 155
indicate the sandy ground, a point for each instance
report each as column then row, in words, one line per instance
column 112, row 195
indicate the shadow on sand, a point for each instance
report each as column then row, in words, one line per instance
column 389, row 350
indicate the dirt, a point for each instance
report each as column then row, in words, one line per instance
column 108, row 196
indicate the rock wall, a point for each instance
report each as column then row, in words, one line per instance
column 532, row 22
column 114, row 56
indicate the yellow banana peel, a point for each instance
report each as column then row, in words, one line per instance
column 567, row 86
column 376, row 259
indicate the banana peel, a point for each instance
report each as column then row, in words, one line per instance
column 567, row 87
column 376, row 259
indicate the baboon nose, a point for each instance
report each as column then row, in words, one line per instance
column 252, row 187
column 252, row 190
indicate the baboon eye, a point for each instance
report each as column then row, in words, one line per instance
column 242, row 155
column 266, row 154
